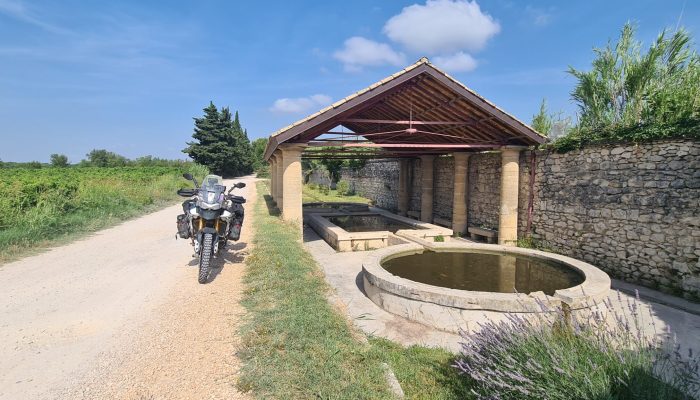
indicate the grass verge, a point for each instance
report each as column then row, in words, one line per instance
column 296, row 345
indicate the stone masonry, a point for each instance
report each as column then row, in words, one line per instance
column 632, row 210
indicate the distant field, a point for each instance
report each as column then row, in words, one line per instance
column 41, row 206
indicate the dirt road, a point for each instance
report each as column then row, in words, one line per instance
column 120, row 315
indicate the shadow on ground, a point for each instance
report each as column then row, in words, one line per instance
column 271, row 207
column 232, row 254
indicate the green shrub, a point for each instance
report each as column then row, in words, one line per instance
column 343, row 188
column 529, row 242
column 263, row 171
column 439, row 238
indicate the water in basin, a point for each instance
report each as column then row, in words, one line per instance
column 368, row 223
column 484, row 272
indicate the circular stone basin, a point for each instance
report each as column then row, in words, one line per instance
column 485, row 272
column 456, row 285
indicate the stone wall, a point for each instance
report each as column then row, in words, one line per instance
column 443, row 185
column 416, row 176
column 631, row 210
column 378, row 180
column 484, row 191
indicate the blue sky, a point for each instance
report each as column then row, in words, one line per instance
column 129, row 76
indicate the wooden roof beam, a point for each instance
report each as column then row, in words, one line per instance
column 404, row 122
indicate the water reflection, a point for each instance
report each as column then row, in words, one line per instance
column 368, row 223
column 484, row 272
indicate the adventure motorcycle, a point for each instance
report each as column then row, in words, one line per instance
column 211, row 217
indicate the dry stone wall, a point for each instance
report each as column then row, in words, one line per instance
column 443, row 187
column 484, row 191
column 378, row 180
column 633, row 211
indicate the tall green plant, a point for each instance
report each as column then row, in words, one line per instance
column 635, row 95
column 542, row 122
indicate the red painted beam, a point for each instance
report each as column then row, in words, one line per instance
column 402, row 122
column 423, row 145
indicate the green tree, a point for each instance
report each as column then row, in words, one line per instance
column 542, row 122
column 59, row 160
column 220, row 143
column 259, row 145
column 104, row 158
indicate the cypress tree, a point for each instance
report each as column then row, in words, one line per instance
column 220, row 143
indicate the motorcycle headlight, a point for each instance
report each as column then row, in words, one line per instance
column 211, row 197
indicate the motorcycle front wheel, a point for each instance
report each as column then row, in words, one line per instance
column 205, row 256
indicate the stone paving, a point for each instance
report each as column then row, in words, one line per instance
column 343, row 272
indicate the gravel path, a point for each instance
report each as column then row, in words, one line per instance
column 120, row 315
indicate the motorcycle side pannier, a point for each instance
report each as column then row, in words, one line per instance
column 183, row 226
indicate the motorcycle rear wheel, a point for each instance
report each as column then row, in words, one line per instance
column 205, row 256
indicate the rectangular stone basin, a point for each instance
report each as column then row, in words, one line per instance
column 375, row 229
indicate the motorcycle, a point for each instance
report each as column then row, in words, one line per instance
column 211, row 218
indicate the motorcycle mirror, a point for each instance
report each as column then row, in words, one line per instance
column 187, row 176
column 240, row 185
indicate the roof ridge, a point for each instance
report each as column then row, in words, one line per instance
column 475, row 93
column 421, row 61
column 426, row 67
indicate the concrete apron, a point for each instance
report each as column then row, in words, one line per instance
column 343, row 271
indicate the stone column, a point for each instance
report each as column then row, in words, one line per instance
column 508, row 214
column 426, row 200
column 291, row 182
column 459, row 198
column 403, row 186
column 279, row 184
column 273, row 177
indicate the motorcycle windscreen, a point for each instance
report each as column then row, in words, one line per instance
column 212, row 190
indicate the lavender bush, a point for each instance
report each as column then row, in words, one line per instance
column 606, row 356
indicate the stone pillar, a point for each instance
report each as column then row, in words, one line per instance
column 459, row 197
column 403, row 186
column 279, row 184
column 508, row 214
column 426, row 200
column 273, row 177
column 291, row 182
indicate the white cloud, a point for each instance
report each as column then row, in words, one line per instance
column 300, row 104
column 538, row 16
column 18, row 10
column 358, row 52
column 458, row 62
column 442, row 27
